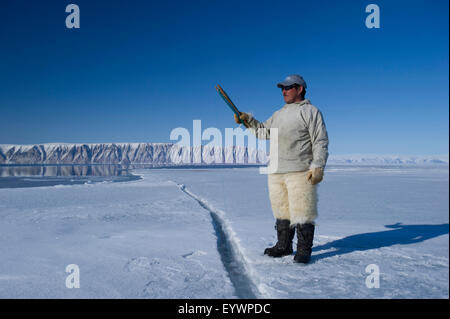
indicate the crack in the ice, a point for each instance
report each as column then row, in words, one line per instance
column 230, row 254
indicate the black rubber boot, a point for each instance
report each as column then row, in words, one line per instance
column 285, row 235
column 305, row 236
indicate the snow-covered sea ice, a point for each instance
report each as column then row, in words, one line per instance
column 187, row 233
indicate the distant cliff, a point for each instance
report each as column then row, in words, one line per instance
column 171, row 154
column 375, row 159
column 128, row 153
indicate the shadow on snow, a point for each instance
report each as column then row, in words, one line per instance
column 399, row 235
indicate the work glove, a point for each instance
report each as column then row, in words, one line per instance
column 315, row 175
column 244, row 117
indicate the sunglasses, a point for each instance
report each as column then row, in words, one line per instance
column 287, row 88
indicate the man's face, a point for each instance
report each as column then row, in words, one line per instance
column 292, row 93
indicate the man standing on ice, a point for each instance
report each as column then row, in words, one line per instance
column 302, row 144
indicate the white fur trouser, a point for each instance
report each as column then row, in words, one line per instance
column 293, row 197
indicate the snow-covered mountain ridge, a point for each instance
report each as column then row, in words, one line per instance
column 128, row 153
column 169, row 153
column 376, row 159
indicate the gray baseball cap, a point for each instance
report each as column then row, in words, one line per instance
column 292, row 79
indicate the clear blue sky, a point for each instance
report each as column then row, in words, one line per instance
column 135, row 70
